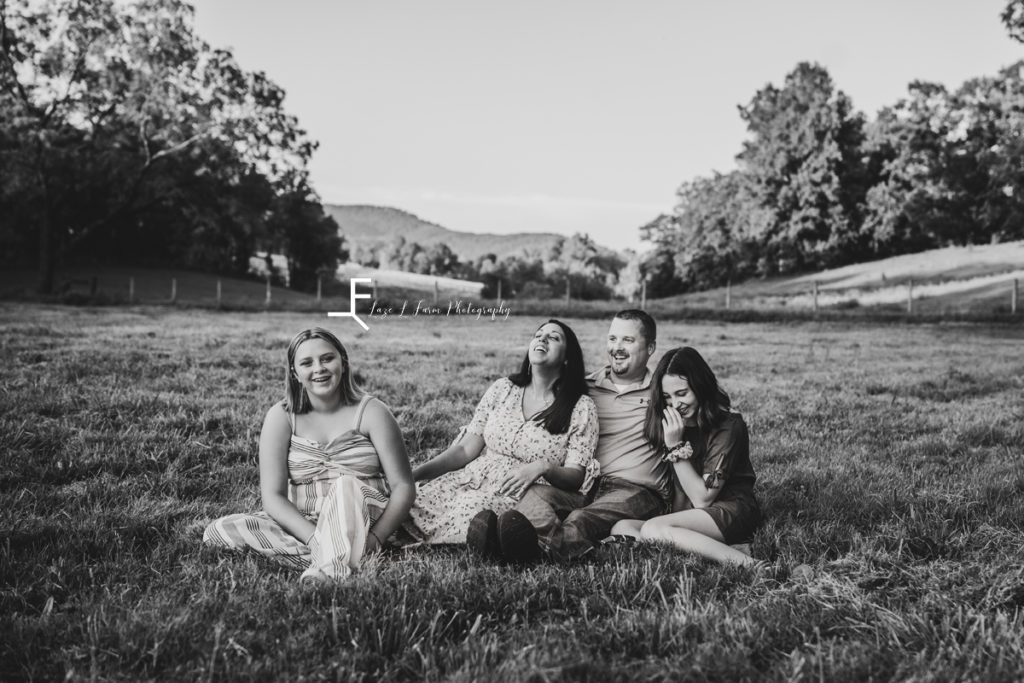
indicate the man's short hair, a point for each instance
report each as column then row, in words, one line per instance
column 646, row 322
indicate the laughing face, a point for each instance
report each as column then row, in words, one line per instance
column 676, row 392
column 318, row 367
column 548, row 346
column 628, row 351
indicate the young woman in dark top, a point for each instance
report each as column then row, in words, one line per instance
column 690, row 423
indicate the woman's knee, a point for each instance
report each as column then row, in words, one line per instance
column 626, row 527
column 653, row 529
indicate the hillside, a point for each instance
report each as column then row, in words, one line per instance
column 942, row 280
column 367, row 226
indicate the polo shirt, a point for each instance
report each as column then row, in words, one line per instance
column 622, row 449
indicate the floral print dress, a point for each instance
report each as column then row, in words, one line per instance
column 444, row 506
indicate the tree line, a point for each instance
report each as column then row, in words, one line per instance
column 124, row 137
column 817, row 185
column 577, row 264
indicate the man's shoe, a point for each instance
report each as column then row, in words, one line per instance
column 517, row 538
column 482, row 537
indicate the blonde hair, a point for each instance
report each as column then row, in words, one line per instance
column 296, row 400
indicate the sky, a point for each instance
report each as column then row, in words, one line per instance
column 571, row 116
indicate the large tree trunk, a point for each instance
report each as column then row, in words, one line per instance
column 47, row 255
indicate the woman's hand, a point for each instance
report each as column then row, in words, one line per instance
column 672, row 427
column 515, row 482
column 372, row 545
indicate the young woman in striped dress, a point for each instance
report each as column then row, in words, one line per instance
column 334, row 475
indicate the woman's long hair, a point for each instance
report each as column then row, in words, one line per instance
column 296, row 400
column 712, row 401
column 570, row 385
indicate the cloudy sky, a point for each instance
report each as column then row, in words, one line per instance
column 570, row 116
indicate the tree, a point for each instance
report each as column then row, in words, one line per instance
column 716, row 231
column 116, row 118
column 491, row 273
column 525, row 275
column 991, row 145
column 441, row 260
column 658, row 266
column 588, row 270
column 631, row 277
column 803, row 167
column 311, row 241
column 1013, row 19
column 950, row 170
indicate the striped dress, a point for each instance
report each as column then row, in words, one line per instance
column 339, row 486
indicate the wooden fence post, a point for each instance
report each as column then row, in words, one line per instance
column 815, row 296
column 218, row 293
column 568, row 282
column 267, row 302
column 174, row 289
column 437, row 292
column 1014, row 296
column 499, row 289
column 319, row 287
column 910, row 296
column 643, row 294
column 131, row 290
column 728, row 294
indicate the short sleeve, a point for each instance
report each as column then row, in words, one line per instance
column 726, row 446
column 491, row 399
column 582, row 440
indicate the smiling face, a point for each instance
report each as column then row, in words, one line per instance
column 628, row 351
column 676, row 392
column 548, row 346
column 318, row 367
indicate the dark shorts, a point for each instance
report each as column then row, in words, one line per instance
column 736, row 514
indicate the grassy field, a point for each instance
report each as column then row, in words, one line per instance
column 890, row 457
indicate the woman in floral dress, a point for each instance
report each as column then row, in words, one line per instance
column 535, row 425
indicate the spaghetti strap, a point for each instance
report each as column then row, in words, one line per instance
column 291, row 417
column 359, row 412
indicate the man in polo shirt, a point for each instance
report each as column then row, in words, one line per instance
column 634, row 483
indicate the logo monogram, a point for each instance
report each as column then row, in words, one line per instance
column 354, row 296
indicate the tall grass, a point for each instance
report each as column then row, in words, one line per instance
column 889, row 458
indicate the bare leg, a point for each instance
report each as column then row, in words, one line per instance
column 694, row 531
column 627, row 527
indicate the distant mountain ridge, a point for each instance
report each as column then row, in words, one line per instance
column 366, row 226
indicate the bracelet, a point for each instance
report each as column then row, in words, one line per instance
column 681, row 451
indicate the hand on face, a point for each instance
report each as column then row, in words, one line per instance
column 672, row 427
column 680, row 407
